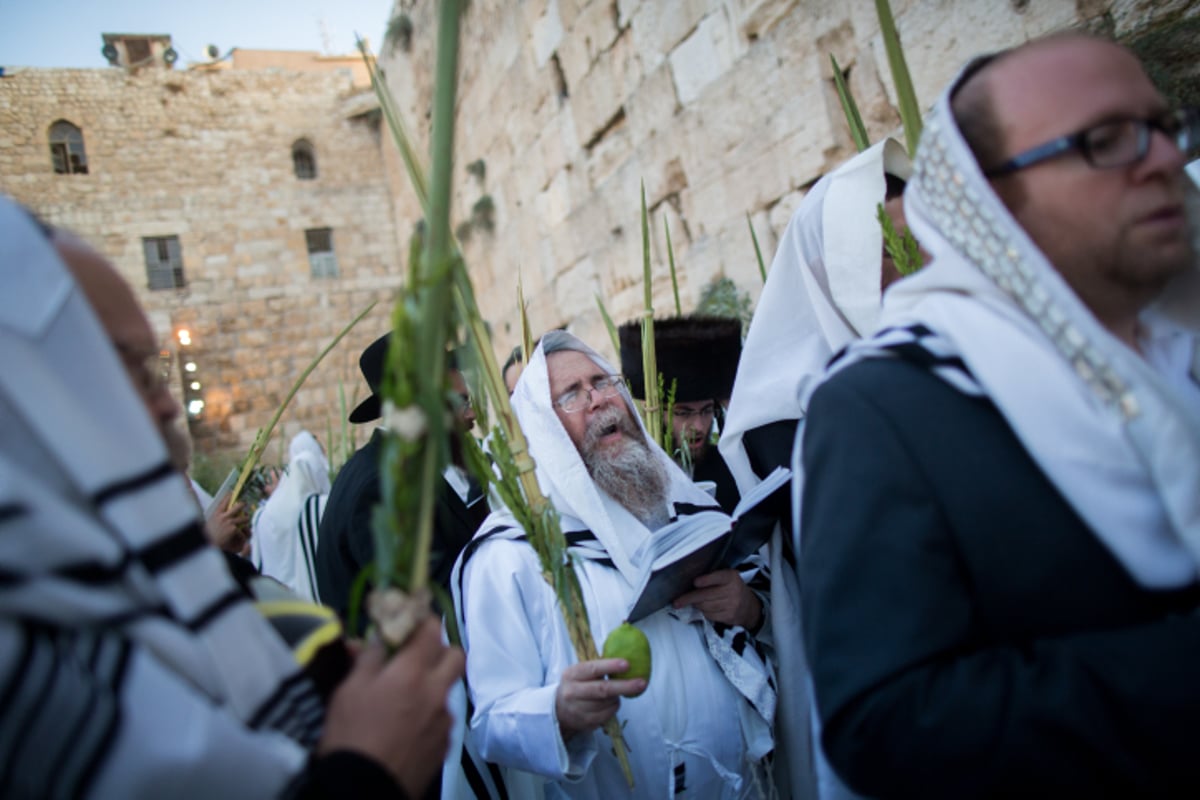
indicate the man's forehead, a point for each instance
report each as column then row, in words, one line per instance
column 570, row 366
column 1093, row 80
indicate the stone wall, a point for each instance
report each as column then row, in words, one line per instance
column 207, row 157
column 723, row 108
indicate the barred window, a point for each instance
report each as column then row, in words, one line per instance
column 164, row 262
column 321, row 258
column 66, row 149
column 304, row 160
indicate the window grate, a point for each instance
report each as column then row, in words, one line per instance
column 164, row 262
column 321, row 259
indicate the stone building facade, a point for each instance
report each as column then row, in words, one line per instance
column 220, row 182
column 723, row 108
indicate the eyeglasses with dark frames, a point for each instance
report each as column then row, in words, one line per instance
column 1112, row 144
column 577, row 399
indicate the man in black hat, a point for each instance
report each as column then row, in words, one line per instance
column 346, row 544
column 699, row 356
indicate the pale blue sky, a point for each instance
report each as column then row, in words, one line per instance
column 66, row 33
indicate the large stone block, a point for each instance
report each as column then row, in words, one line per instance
column 659, row 27
column 706, row 55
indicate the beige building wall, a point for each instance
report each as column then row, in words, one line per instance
column 723, row 108
column 207, row 157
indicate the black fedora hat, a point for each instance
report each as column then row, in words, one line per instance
column 371, row 365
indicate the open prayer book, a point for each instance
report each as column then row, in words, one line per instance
column 222, row 493
column 696, row 544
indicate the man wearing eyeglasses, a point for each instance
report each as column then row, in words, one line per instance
column 701, row 726
column 130, row 664
column 697, row 359
column 1001, row 600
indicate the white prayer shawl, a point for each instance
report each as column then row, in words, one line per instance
column 1118, row 434
column 564, row 477
column 280, row 546
column 823, row 292
column 131, row 665
column 517, row 644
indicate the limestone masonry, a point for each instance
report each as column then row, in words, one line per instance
column 723, row 110
column 207, row 157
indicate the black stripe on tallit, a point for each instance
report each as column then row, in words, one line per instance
column 478, row 787
column 687, row 509
column 21, row 669
column 310, row 521
column 166, row 551
column 173, row 547
column 474, row 545
column 915, row 353
column 40, row 647
column 917, row 329
column 575, row 538
column 108, row 735
column 104, row 659
column 132, row 484
column 215, row 609
column 93, row 573
column 11, row 511
column 292, row 692
column 498, row 779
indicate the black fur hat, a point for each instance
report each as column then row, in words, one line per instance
column 700, row 353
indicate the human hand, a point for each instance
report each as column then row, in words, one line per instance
column 586, row 699
column 229, row 527
column 394, row 710
column 723, row 596
column 271, row 478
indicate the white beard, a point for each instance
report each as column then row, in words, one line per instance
column 629, row 474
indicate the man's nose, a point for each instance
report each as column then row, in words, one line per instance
column 596, row 398
column 163, row 405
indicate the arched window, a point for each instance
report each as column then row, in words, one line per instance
column 66, row 149
column 304, row 160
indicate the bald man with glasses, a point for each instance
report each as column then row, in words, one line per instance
column 1000, row 599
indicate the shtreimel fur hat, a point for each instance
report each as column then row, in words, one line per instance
column 699, row 352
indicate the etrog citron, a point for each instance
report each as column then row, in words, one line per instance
column 627, row 642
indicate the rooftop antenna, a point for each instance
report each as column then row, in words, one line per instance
column 326, row 36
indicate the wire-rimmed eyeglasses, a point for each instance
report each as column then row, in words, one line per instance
column 578, row 398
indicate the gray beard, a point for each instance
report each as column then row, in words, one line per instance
column 631, row 475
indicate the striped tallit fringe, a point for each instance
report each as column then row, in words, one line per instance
column 131, row 558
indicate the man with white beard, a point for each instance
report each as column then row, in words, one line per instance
column 701, row 727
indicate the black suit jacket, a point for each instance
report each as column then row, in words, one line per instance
column 968, row 635
column 346, row 544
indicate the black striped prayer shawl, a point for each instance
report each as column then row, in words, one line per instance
column 119, row 619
